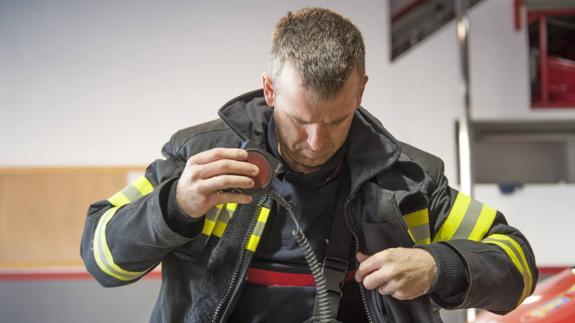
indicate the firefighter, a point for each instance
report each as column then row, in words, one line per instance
column 391, row 239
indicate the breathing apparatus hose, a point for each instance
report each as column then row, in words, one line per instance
column 324, row 314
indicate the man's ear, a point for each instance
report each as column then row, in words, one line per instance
column 362, row 88
column 269, row 90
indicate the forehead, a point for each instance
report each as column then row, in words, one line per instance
column 298, row 102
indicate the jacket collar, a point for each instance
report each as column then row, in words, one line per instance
column 371, row 149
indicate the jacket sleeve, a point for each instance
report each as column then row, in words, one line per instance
column 499, row 260
column 127, row 235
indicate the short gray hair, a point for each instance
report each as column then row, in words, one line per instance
column 322, row 46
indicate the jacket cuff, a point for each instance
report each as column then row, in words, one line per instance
column 176, row 218
column 452, row 281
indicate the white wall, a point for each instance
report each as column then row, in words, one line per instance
column 544, row 213
column 107, row 82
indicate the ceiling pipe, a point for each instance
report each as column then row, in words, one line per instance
column 465, row 126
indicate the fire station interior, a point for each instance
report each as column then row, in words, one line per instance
column 91, row 90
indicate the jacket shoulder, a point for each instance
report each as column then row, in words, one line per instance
column 430, row 163
column 205, row 135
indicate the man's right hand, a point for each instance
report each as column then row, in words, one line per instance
column 208, row 173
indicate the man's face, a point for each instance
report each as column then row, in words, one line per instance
column 310, row 131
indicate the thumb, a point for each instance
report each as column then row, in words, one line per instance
column 361, row 257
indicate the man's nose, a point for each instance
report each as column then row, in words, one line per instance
column 316, row 137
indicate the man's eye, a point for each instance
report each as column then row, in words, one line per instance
column 335, row 124
column 298, row 122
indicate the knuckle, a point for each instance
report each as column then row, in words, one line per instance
column 385, row 276
column 226, row 181
column 190, row 161
column 382, row 256
column 194, row 174
column 227, row 166
column 400, row 286
column 217, row 152
column 391, row 270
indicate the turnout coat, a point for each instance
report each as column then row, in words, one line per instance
column 399, row 197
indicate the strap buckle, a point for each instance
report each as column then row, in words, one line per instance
column 335, row 270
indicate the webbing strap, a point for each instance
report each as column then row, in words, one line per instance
column 264, row 277
column 336, row 259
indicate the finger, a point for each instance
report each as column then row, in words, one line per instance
column 211, row 155
column 369, row 265
column 361, row 257
column 402, row 295
column 223, row 182
column 376, row 279
column 389, row 288
column 226, row 166
column 229, row 197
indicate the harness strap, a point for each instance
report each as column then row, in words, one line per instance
column 336, row 261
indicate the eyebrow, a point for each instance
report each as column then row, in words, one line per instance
column 307, row 122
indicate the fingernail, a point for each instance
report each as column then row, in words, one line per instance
column 255, row 170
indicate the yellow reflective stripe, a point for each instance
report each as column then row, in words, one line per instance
column 416, row 218
column 253, row 243
column 264, row 214
column 254, row 240
column 138, row 188
column 515, row 261
column 219, row 229
column 224, row 218
column 418, row 226
column 454, row 218
column 211, row 218
column 484, row 223
column 424, row 241
column 208, row 227
column 119, row 199
column 143, row 185
column 103, row 254
column 528, row 277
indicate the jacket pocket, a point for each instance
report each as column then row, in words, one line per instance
column 192, row 249
column 382, row 223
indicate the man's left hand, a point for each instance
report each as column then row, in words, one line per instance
column 403, row 273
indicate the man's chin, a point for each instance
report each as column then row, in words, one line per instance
column 307, row 164
column 313, row 163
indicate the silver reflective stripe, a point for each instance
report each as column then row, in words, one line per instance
column 517, row 256
column 469, row 220
column 103, row 255
column 210, row 221
column 510, row 247
column 132, row 193
column 109, row 266
column 421, row 233
column 225, row 216
column 259, row 229
column 223, row 220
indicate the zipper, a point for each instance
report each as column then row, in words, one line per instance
column 241, row 259
column 351, row 228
